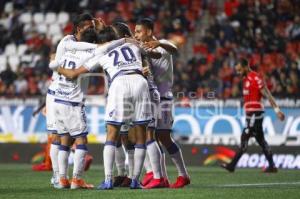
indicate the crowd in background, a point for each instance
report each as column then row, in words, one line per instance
column 265, row 31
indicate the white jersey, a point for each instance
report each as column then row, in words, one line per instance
column 68, row 43
column 123, row 58
column 72, row 90
column 163, row 72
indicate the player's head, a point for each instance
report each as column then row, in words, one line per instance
column 122, row 30
column 144, row 29
column 89, row 35
column 83, row 22
column 242, row 67
column 106, row 35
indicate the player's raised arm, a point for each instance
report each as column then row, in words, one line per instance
column 266, row 92
column 168, row 46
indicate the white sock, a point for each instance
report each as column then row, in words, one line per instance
column 139, row 157
column 130, row 162
column 147, row 163
column 54, row 149
column 154, row 156
column 108, row 159
column 163, row 165
column 176, row 156
column 63, row 156
column 79, row 157
column 120, row 160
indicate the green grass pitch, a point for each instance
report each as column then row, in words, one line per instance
column 18, row 181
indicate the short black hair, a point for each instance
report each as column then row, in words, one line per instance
column 107, row 34
column 80, row 19
column 89, row 35
column 146, row 22
column 122, row 30
column 244, row 62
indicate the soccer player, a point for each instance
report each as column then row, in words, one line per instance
column 163, row 76
column 69, row 111
column 81, row 23
column 253, row 90
column 153, row 154
column 128, row 100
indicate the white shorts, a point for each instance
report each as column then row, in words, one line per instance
column 50, row 115
column 165, row 115
column 70, row 118
column 155, row 101
column 128, row 101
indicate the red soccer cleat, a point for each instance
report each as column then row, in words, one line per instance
column 166, row 183
column 180, row 182
column 155, row 183
column 87, row 162
column 147, row 178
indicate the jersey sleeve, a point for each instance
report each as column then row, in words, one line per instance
column 92, row 63
column 71, row 45
column 101, row 50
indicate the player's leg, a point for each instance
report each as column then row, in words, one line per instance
column 141, row 117
column 109, row 155
column 260, row 138
column 120, row 158
column 54, row 149
column 63, row 155
column 164, row 129
column 174, row 151
column 55, row 139
column 129, row 142
column 139, row 154
column 153, row 177
column 246, row 134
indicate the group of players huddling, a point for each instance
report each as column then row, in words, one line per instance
column 138, row 115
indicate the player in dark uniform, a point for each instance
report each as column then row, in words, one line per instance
column 253, row 90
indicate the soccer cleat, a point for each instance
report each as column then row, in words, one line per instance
column 166, row 183
column 147, row 178
column 227, row 167
column 80, row 184
column 63, row 184
column 87, row 162
column 54, row 180
column 155, row 183
column 126, row 182
column 270, row 170
column 135, row 184
column 118, row 180
column 180, row 182
column 106, row 185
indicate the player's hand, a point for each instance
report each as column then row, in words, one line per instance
column 146, row 71
column 99, row 24
column 151, row 45
column 52, row 57
column 132, row 40
column 280, row 115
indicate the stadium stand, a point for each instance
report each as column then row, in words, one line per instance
column 266, row 31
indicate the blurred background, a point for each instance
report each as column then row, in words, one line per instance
column 211, row 36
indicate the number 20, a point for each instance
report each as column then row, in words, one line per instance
column 126, row 52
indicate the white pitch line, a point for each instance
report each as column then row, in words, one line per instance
column 260, row 184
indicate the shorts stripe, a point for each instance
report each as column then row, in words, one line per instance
column 83, row 134
column 52, row 131
column 142, row 122
column 69, row 103
column 115, row 123
column 140, row 146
